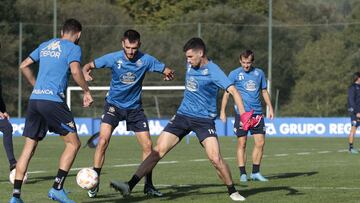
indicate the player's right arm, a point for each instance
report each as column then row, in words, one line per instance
column 25, row 69
column 87, row 68
column 80, row 80
column 223, row 106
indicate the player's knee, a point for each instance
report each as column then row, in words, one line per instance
column 159, row 151
column 103, row 142
column 260, row 143
column 215, row 159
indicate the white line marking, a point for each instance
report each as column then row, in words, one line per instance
column 343, row 150
column 324, row 152
column 281, row 154
column 327, row 188
column 33, row 172
column 198, row 160
column 303, row 153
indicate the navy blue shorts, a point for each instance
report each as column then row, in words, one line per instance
column 135, row 118
column 44, row 115
column 260, row 129
column 181, row 125
column 355, row 121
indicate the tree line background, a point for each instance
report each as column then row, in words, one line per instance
column 314, row 54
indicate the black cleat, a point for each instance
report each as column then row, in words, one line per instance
column 150, row 190
column 122, row 187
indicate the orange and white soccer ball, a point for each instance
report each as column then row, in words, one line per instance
column 12, row 176
column 87, row 178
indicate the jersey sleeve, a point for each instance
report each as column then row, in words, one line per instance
column 35, row 55
column 74, row 55
column 105, row 61
column 155, row 65
column 232, row 76
column 263, row 80
column 219, row 78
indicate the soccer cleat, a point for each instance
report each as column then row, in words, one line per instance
column 15, row 200
column 59, row 195
column 243, row 178
column 150, row 190
column 122, row 187
column 12, row 167
column 237, row 197
column 258, row 176
column 93, row 192
column 353, row 151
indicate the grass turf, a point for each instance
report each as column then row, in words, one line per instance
column 299, row 170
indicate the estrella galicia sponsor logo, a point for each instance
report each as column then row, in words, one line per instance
column 128, row 78
column 191, row 84
column 52, row 50
column 41, row 91
column 250, row 85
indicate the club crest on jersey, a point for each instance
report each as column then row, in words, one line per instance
column 250, row 85
column 128, row 78
column 52, row 50
column 205, row 72
column 119, row 64
column 241, row 76
column 191, row 84
column 139, row 63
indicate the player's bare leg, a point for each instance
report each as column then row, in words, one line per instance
column 99, row 156
column 351, row 140
column 259, row 142
column 241, row 157
column 145, row 142
column 165, row 143
column 22, row 165
column 72, row 146
column 212, row 149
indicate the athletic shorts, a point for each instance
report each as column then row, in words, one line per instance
column 44, row 115
column 135, row 118
column 260, row 129
column 355, row 121
column 181, row 125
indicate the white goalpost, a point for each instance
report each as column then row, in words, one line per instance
column 70, row 89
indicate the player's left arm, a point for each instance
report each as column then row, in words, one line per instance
column 25, row 69
column 237, row 98
column 87, row 68
column 78, row 76
column 267, row 100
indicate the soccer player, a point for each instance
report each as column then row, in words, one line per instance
column 47, row 109
column 123, row 101
column 250, row 82
column 196, row 113
column 7, row 130
column 354, row 110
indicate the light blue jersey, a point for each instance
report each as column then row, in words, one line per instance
column 202, row 85
column 249, row 84
column 54, row 57
column 127, row 77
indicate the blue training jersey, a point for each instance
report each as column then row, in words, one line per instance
column 201, row 89
column 54, row 57
column 127, row 77
column 249, row 84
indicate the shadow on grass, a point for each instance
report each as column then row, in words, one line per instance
column 291, row 175
column 187, row 191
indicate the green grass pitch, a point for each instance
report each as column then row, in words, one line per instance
column 299, row 170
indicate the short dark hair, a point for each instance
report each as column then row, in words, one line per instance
column 356, row 75
column 131, row 35
column 196, row 44
column 247, row 53
column 71, row 25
